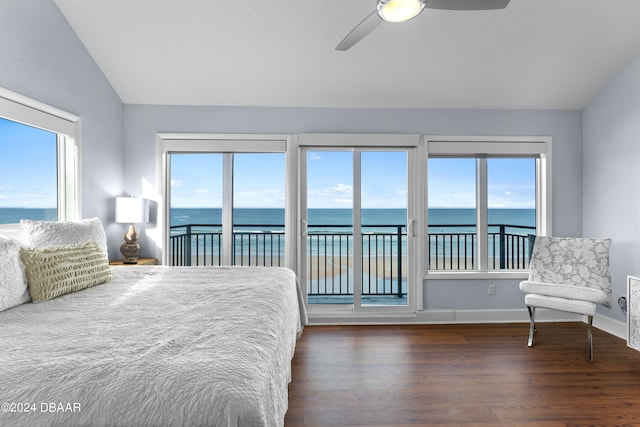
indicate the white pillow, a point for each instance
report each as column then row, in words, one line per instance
column 15, row 232
column 49, row 234
column 13, row 285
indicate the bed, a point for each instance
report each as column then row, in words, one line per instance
column 154, row 346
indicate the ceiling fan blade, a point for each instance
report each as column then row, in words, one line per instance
column 467, row 4
column 360, row 31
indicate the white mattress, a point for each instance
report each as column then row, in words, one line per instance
column 157, row 346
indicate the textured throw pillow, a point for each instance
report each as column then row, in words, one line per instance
column 13, row 286
column 53, row 272
column 48, row 234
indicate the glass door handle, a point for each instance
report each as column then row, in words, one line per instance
column 304, row 227
column 411, row 229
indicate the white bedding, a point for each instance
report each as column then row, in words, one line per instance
column 174, row 346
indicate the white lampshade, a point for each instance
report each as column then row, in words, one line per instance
column 130, row 210
column 399, row 10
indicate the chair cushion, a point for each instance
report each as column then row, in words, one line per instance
column 594, row 295
column 562, row 304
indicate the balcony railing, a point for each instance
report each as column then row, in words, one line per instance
column 201, row 244
column 330, row 253
column 508, row 246
column 330, row 260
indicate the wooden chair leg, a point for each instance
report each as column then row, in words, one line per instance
column 532, row 326
column 590, row 338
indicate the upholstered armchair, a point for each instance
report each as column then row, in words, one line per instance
column 568, row 274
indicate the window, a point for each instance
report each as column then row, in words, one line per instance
column 38, row 168
column 484, row 198
column 197, row 203
column 226, row 201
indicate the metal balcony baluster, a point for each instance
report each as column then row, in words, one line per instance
column 446, row 251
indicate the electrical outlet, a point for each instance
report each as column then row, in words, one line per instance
column 491, row 289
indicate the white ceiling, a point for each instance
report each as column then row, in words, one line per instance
column 533, row 54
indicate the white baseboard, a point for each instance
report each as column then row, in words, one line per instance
column 611, row 326
column 440, row 316
column 607, row 324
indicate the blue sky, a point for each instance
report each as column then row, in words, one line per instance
column 330, row 179
column 196, row 179
column 511, row 183
column 31, row 184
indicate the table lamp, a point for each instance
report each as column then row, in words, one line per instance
column 130, row 210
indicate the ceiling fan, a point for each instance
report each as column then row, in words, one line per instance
column 404, row 10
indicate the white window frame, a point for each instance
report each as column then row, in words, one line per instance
column 230, row 143
column 492, row 146
column 22, row 109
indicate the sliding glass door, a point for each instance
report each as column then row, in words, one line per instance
column 358, row 240
column 258, row 209
column 195, row 208
column 329, row 227
column 384, row 227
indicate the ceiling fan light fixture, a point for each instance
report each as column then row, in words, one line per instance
column 399, row 10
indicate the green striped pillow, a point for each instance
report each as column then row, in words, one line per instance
column 57, row 271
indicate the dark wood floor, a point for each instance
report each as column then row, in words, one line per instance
column 462, row 375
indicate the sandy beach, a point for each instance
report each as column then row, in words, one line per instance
column 321, row 267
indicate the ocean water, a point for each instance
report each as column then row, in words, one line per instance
column 440, row 220
column 333, row 219
column 14, row 215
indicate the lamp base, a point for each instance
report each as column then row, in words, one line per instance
column 130, row 252
column 130, row 247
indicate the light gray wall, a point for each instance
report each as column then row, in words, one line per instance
column 611, row 179
column 42, row 58
column 142, row 123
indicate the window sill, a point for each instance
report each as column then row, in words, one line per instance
column 471, row 275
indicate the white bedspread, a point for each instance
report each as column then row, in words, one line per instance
column 158, row 346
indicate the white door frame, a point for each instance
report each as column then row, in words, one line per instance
column 358, row 143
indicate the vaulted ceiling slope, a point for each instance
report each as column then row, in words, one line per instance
column 535, row 54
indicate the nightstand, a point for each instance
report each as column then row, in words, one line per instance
column 141, row 261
